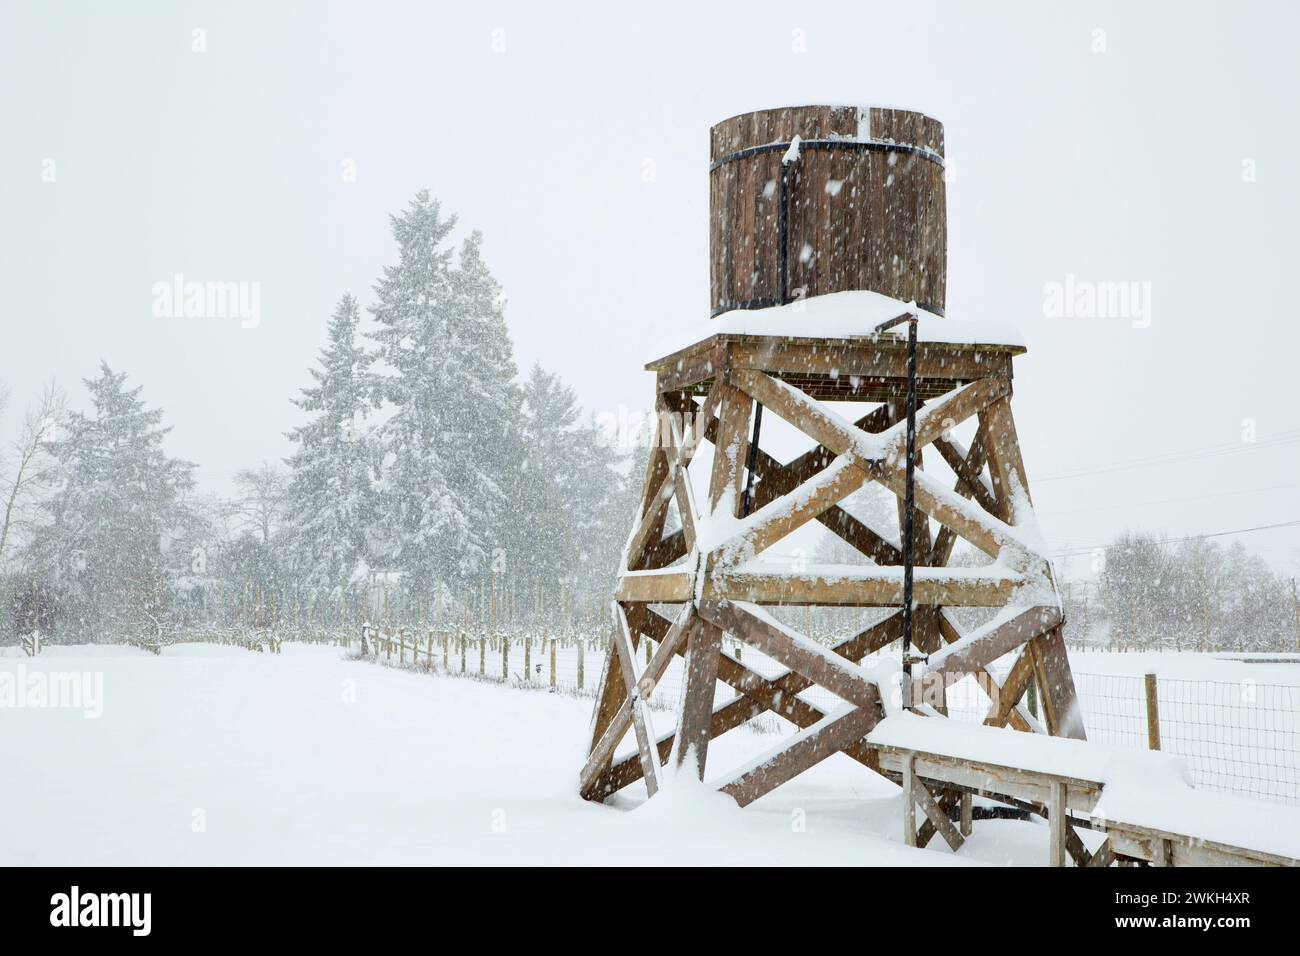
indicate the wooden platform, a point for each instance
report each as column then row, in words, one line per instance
column 944, row 764
column 861, row 368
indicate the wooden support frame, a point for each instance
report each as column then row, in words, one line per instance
column 704, row 568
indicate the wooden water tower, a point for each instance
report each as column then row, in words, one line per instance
column 823, row 222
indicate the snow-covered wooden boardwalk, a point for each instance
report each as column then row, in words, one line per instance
column 1142, row 801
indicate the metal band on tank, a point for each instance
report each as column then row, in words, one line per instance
column 874, row 145
column 770, row 301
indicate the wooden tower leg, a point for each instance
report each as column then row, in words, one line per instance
column 1051, row 664
column 700, row 676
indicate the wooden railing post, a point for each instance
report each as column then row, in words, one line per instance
column 909, row 799
column 1153, row 713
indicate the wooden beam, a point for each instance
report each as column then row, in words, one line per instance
column 1103, row 856
column 946, row 802
column 943, row 415
column 998, row 692
column 656, row 473
column 970, row 480
column 938, row 817
column 989, row 643
column 759, row 694
column 1064, row 717
column 682, row 449
column 730, row 448
column 876, row 359
column 776, row 479
column 695, row 709
column 1003, row 708
column 909, row 799
column 808, row 748
column 1075, row 848
column 660, row 587
column 615, row 708
column 651, row 527
column 1056, row 824
column 693, row 369
column 965, row 518
column 813, row 661
column 1005, row 463
column 810, row 462
column 641, row 719
column 778, row 518
column 859, row 591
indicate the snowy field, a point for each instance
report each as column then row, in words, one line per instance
column 214, row 755
column 1236, row 724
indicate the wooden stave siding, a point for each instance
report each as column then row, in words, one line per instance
column 891, row 239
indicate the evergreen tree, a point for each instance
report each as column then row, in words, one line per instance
column 331, row 505
column 118, row 509
column 452, row 439
column 572, row 508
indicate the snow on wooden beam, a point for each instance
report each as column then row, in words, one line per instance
column 666, row 586
column 772, row 522
column 620, row 687
column 981, row 529
column 804, row 750
column 814, row 661
column 1010, row 629
column 866, row 586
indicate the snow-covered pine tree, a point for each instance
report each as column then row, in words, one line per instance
column 119, row 502
column 571, row 519
column 451, row 440
column 331, row 509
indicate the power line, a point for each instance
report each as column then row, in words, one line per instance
column 1072, row 552
column 1165, row 501
column 1168, row 458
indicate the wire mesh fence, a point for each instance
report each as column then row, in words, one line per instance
column 1236, row 736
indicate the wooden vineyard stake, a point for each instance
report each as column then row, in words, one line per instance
column 1153, row 711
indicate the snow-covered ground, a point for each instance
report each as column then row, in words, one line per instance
column 1236, row 724
column 215, row 755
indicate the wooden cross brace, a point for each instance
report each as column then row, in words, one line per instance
column 713, row 587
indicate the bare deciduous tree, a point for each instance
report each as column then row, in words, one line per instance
column 27, row 466
column 261, row 499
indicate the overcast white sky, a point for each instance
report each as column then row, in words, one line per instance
column 1125, row 164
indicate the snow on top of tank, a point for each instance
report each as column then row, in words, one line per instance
column 860, row 107
column 842, row 315
column 863, row 134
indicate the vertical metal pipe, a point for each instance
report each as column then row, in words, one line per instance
column 909, row 502
column 747, row 504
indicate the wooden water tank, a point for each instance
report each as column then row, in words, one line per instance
column 858, row 204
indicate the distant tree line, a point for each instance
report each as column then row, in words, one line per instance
column 1194, row 595
column 424, row 465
